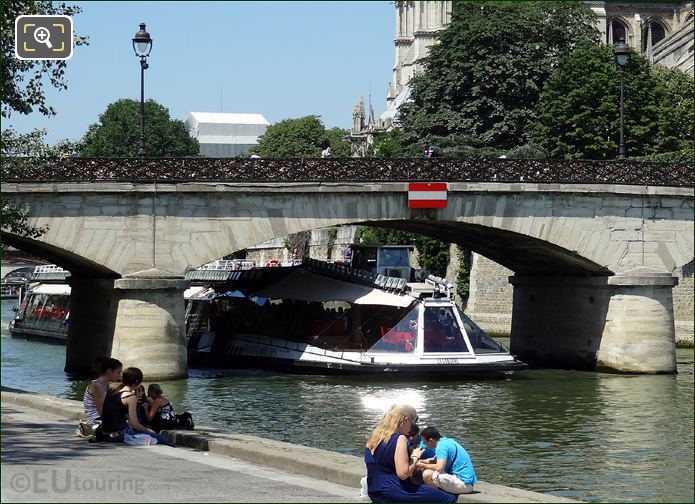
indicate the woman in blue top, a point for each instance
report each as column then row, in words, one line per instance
column 388, row 465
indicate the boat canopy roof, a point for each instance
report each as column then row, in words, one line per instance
column 307, row 286
column 52, row 289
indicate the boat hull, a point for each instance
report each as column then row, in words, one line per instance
column 33, row 334
column 238, row 353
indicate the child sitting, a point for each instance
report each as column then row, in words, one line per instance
column 161, row 414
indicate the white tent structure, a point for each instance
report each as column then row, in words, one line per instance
column 225, row 135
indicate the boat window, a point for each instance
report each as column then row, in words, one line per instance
column 400, row 338
column 393, row 257
column 442, row 332
column 482, row 343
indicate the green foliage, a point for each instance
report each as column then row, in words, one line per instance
column 528, row 151
column 374, row 236
column 675, row 91
column 336, row 137
column 434, row 254
column 463, row 275
column 32, row 144
column 483, row 80
column 683, row 156
column 118, row 132
column 302, row 137
column 15, row 220
column 392, row 145
column 23, row 80
column 462, row 146
column 579, row 110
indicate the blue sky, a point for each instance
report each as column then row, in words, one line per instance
column 281, row 59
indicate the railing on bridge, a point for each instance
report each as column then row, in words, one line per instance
column 76, row 169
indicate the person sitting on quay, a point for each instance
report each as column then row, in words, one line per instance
column 120, row 418
column 94, row 395
column 161, row 414
column 453, row 469
column 389, row 467
column 143, row 405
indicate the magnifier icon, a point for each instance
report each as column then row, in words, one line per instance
column 43, row 36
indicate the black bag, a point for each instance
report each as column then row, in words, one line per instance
column 185, row 421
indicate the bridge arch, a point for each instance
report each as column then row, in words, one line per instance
column 604, row 253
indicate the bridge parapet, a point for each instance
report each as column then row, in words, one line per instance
column 75, row 169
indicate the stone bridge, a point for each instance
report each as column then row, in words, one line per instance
column 593, row 246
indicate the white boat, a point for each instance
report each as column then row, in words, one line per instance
column 327, row 319
column 43, row 313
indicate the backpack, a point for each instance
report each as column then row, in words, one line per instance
column 185, row 421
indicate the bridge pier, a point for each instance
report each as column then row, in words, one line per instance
column 623, row 323
column 150, row 327
column 92, row 322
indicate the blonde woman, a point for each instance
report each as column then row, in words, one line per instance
column 388, row 465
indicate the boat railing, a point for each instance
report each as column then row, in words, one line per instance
column 48, row 272
column 357, row 275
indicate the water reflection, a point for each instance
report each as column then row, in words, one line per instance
column 587, row 436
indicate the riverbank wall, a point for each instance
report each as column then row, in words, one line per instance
column 313, row 462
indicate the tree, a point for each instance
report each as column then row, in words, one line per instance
column 32, row 144
column 392, row 144
column 579, row 110
column 301, row 137
column 336, row 137
column 22, row 92
column 118, row 132
column 484, row 77
column 675, row 115
column 23, row 80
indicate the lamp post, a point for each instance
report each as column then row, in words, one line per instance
column 142, row 45
column 621, row 51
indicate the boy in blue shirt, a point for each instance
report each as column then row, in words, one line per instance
column 453, row 470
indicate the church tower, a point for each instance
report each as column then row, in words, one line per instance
column 417, row 24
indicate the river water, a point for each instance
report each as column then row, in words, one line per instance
column 588, row 436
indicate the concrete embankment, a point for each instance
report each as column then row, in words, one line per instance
column 312, row 462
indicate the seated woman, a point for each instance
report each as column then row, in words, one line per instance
column 109, row 371
column 143, row 405
column 388, row 465
column 120, row 418
column 161, row 414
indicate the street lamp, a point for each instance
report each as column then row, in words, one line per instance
column 621, row 51
column 142, row 45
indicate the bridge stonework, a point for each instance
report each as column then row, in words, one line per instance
column 617, row 245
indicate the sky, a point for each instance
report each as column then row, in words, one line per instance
column 281, row 59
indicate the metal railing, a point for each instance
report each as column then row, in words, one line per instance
column 77, row 169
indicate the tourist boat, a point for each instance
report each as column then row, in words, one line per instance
column 335, row 319
column 43, row 313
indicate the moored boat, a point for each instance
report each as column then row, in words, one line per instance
column 335, row 319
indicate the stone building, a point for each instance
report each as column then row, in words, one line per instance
column 663, row 32
column 225, row 135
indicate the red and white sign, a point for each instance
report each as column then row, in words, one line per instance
column 427, row 195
